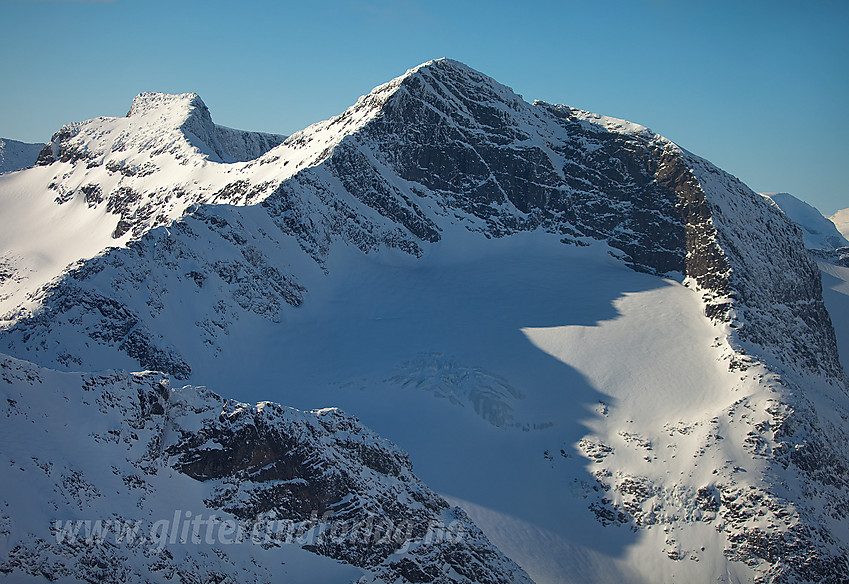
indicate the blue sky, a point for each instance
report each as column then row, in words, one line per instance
column 759, row 88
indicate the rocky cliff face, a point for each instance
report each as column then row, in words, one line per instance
column 440, row 150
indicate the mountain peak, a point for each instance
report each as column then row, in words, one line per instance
column 442, row 63
column 184, row 111
column 169, row 106
column 455, row 75
column 439, row 85
column 157, row 122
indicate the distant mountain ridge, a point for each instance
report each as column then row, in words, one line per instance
column 205, row 248
column 818, row 231
column 16, row 155
column 841, row 221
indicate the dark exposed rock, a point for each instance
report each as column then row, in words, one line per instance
column 839, row 256
column 61, row 149
column 366, row 184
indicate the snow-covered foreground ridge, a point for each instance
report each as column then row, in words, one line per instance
column 146, row 469
column 640, row 337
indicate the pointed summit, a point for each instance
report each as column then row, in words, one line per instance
column 459, row 94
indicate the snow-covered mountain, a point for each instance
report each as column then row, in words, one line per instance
column 613, row 356
column 818, row 231
column 16, row 155
column 841, row 221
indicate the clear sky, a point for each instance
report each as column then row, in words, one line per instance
column 758, row 87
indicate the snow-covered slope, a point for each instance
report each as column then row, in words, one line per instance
column 613, row 355
column 818, row 231
column 841, row 221
column 16, row 155
column 103, row 182
column 109, row 179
